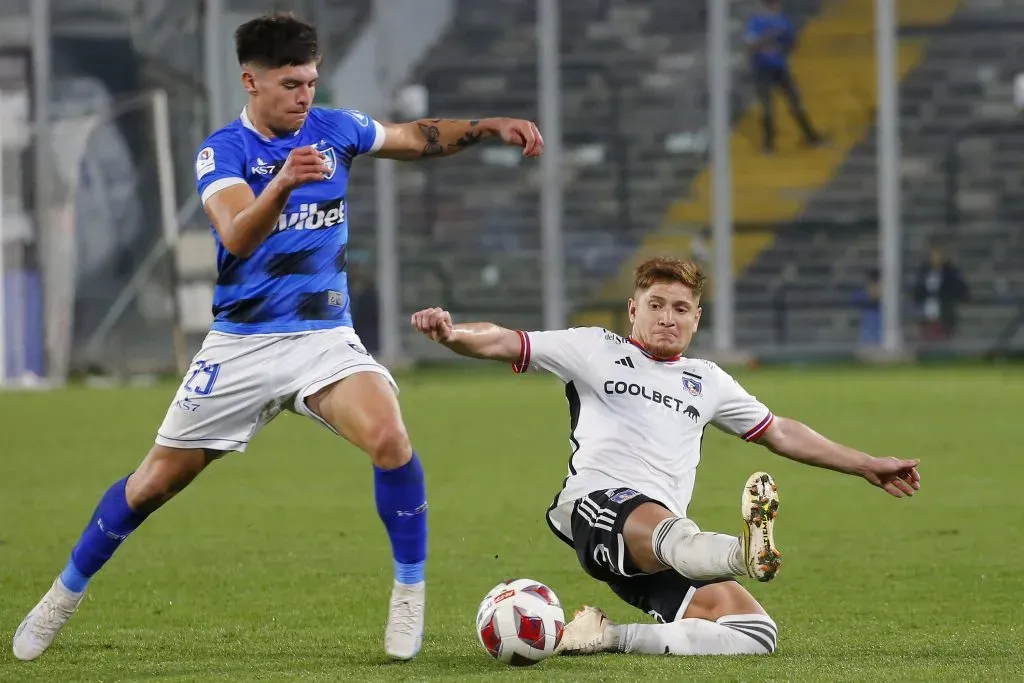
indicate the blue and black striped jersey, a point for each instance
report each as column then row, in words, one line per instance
column 296, row 280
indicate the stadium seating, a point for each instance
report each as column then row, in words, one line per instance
column 635, row 110
column 634, row 82
column 951, row 107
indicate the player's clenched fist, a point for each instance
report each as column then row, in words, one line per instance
column 521, row 133
column 303, row 165
column 436, row 323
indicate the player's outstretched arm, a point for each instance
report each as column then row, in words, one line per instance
column 475, row 340
column 796, row 441
column 442, row 137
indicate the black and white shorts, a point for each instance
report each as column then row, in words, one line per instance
column 597, row 521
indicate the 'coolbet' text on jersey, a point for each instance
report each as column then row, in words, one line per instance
column 636, row 422
column 295, row 281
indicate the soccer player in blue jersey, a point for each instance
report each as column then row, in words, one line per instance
column 273, row 184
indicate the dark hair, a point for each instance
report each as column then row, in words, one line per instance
column 274, row 40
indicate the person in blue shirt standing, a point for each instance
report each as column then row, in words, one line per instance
column 274, row 183
column 770, row 40
column 868, row 299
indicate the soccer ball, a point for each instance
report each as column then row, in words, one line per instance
column 520, row 622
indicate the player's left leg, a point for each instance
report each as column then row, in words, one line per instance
column 363, row 408
column 697, row 618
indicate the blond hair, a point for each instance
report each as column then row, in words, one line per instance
column 668, row 270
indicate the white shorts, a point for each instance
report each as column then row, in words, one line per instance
column 239, row 383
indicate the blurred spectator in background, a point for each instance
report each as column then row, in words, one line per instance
column 770, row 39
column 868, row 299
column 937, row 291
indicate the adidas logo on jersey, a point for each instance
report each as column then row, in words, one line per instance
column 313, row 216
column 627, row 362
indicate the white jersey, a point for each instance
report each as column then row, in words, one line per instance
column 636, row 422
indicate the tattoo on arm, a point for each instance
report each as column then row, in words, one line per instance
column 471, row 136
column 438, row 133
column 431, row 134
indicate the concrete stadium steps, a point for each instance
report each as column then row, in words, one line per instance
column 776, row 189
column 963, row 82
column 650, row 57
column 489, row 56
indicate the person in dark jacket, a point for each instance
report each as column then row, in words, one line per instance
column 938, row 290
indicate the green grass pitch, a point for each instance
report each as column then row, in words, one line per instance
column 274, row 566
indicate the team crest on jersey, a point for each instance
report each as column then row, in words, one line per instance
column 331, row 160
column 693, row 386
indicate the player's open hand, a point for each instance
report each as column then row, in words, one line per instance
column 521, row 133
column 894, row 476
column 436, row 323
column 303, row 165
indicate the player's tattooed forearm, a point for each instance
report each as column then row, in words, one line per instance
column 439, row 143
column 432, row 135
column 470, row 138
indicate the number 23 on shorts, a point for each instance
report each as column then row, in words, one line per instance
column 201, row 378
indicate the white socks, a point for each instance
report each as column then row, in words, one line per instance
column 680, row 544
column 737, row 634
column 696, row 554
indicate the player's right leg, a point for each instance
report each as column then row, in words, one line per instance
column 125, row 505
column 363, row 408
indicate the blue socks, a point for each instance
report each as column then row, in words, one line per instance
column 401, row 503
column 401, row 497
column 111, row 523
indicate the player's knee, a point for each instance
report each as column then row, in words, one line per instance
column 758, row 633
column 163, row 473
column 388, row 446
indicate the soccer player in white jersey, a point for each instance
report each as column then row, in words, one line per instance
column 638, row 409
column 274, row 185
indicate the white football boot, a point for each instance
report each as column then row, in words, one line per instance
column 42, row 625
column 403, row 636
column 759, row 507
column 589, row 632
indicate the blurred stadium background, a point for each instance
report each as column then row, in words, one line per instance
column 108, row 263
